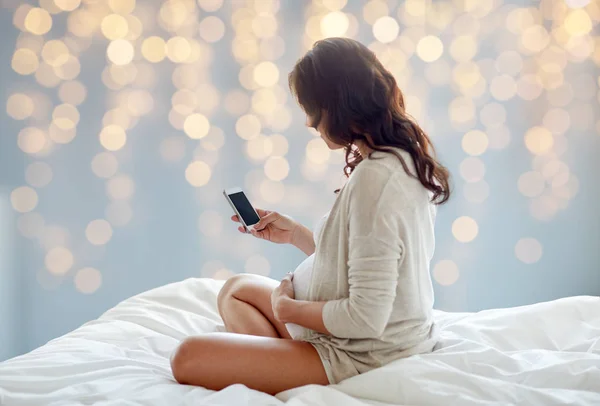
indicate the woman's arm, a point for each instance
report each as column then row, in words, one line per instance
column 303, row 313
column 365, row 313
column 303, row 239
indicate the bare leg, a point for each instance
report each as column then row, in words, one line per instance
column 245, row 306
column 270, row 365
column 261, row 356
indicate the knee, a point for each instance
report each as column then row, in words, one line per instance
column 181, row 359
column 232, row 286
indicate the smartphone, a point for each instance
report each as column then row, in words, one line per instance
column 242, row 207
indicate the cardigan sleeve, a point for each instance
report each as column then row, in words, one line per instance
column 375, row 252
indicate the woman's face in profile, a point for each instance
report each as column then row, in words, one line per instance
column 320, row 128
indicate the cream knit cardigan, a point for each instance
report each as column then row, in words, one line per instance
column 372, row 266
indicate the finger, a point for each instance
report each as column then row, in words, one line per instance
column 266, row 220
column 241, row 229
column 288, row 277
column 262, row 213
column 235, row 218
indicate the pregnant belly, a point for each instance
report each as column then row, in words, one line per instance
column 301, row 278
column 301, row 282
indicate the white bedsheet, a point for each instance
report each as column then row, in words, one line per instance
column 543, row 354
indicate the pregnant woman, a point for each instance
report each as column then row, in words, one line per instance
column 363, row 296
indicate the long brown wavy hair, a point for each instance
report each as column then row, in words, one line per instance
column 342, row 84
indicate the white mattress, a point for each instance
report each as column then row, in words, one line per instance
column 544, row 354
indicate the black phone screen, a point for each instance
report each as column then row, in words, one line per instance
column 243, row 206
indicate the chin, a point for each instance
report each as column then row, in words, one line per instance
column 331, row 145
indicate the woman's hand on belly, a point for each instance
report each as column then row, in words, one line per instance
column 281, row 296
column 303, row 313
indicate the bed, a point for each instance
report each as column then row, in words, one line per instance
column 542, row 354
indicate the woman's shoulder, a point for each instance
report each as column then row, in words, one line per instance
column 384, row 169
column 369, row 175
column 393, row 160
column 382, row 166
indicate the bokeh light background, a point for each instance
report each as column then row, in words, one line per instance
column 123, row 122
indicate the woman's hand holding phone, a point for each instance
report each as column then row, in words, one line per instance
column 272, row 226
column 281, row 229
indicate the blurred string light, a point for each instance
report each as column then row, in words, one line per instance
column 528, row 250
column 98, row 232
column 87, row 280
column 198, row 173
column 386, row 29
column 465, row 229
column 475, row 142
column 38, row 21
column 113, row 137
column 59, row 260
column 539, row 48
column 445, row 272
column 196, row 126
column 19, row 106
column 24, row 199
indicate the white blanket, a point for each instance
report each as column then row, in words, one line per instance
column 543, row 354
